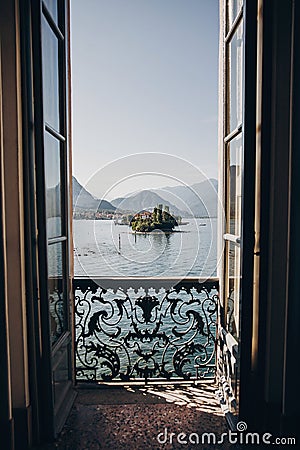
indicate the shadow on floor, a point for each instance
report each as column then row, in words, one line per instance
column 143, row 418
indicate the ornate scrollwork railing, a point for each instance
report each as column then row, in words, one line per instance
column 143, row 328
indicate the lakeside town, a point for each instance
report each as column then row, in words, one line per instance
column 127, row 218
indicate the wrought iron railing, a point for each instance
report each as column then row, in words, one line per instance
column 144, row 329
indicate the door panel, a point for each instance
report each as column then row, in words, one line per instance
column 232, row 157
column 50, row 39
column 237, row 177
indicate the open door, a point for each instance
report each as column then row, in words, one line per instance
column 45, row 29
column 236, row 173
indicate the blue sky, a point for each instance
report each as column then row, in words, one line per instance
column 144, row 79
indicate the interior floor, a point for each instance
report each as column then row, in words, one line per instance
column 136, row 418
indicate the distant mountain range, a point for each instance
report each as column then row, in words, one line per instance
column 198, row 200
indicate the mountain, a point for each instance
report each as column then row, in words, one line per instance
column 200, row 199
column 83, row 200
column 144, row 200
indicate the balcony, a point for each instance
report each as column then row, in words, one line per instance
column 145, row 363
column 143, row 330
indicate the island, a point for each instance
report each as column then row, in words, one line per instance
column 159, row 219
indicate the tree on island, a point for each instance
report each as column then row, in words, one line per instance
column 159, row 219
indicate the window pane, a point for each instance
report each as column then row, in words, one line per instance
column 51, row 5
column 235, row 185
column 53, row 185
column 50, row 76
column 235, row 79
column 56, row 291
column 233, row 309
column 233, row 8
column 61, row 375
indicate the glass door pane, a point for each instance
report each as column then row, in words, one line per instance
column 52, row 150
column 233, row 301
column 50, row 49
column 56, row 203
column 56, row 282
column 235, row 161
column 235, row 78
column 233, row 167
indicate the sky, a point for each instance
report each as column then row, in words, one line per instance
column 144, row 93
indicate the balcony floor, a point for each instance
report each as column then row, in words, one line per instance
column 116, row 418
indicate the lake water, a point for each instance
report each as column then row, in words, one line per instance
column 104, row 249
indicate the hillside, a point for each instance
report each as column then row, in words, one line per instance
column 83, row 200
